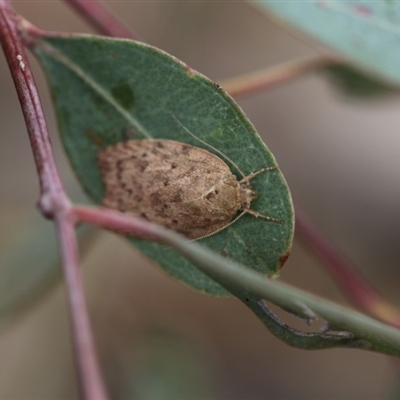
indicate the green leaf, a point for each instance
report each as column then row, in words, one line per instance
column 105, row 90
column 364, row 33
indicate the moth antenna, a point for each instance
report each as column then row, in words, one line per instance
column 254, row 174
column 209, row 145
column 267, row 217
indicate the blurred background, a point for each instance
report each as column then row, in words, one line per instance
column 158, row 339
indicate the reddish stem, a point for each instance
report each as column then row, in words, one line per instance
column 29, row 99
column 102, row 19
column 119, row 222
column 268, row 78
column 91, row 383
column 53, row 202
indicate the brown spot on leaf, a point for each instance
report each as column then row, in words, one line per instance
column 283, row 259
column 190, row 71
column 97, row 140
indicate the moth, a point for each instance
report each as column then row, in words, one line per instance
column 185, row 188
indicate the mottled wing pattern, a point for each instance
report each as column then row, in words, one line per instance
column 181, row 187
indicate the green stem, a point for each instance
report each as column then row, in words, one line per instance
column 346, row 328
column 250, row 287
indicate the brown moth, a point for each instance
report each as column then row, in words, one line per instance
column 176, row 185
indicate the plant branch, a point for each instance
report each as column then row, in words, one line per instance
column 30, row 102
column 347, row 328
column 53, row 201
column 268, row 78
column 102, row 19
column 119, row 222
column 368, row 333
column 86, row 358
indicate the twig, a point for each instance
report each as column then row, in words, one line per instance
column 268, row 78
column 30, row 104
column 91, row 383
column 362, row 295
column 53, row 202
column 346, row 327
column 118, row 222
column 102, row 19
